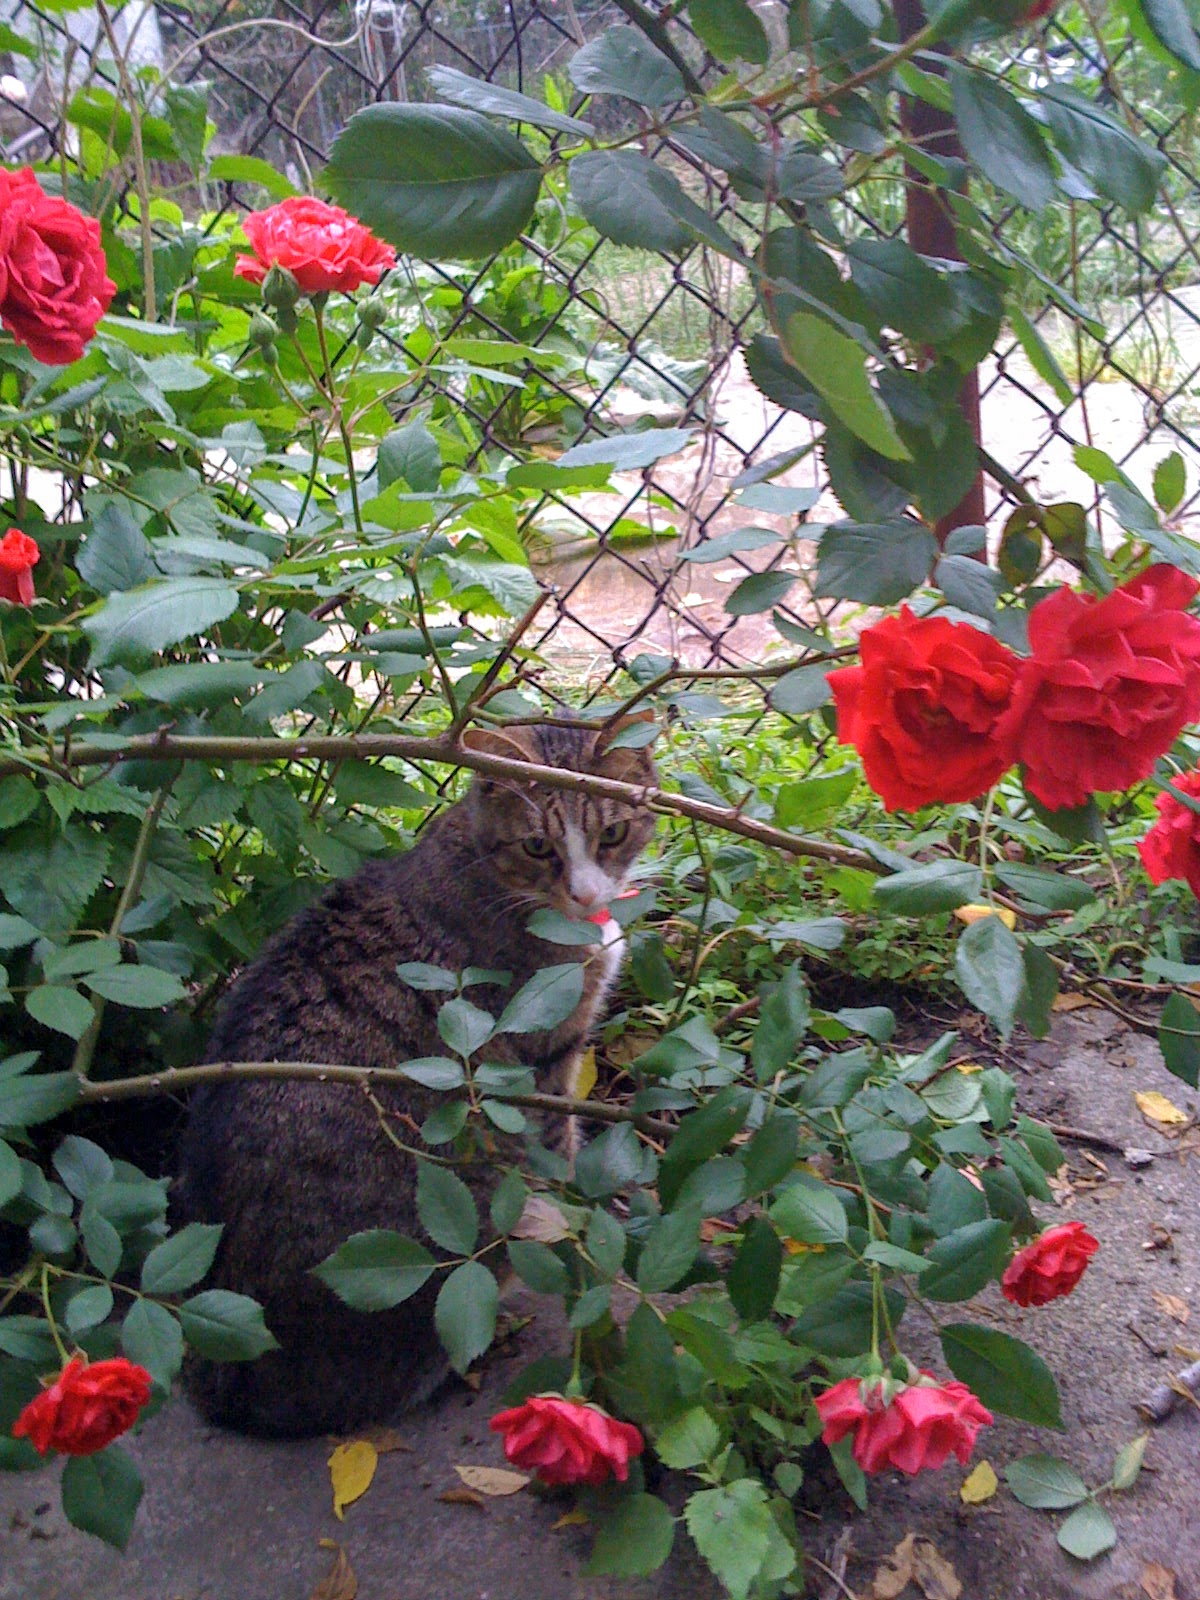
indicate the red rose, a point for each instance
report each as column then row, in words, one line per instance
column 1172, row 847
column 923, row 709
column 1049, row 1267
column 567, row 1441
column 86, row 1407
column 19, row 555
column 1108, row 687
column 53, row 284
column 322, row 246
column 918, row 1427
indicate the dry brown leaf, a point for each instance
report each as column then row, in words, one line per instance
column 1156, row 1108
column 1071, row 1002
column 351, row 1468
column 461, row 1497
column 494, row 1481
column 979, row 1485
column 578, row 1518
column 1158, row 1581
column 1172, row 1305
column 895, row 1572
column 715, row 1228
column 936, row 1576
column 339, row 1583
column 542, row 1221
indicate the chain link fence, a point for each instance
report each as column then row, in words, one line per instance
column 628, row 338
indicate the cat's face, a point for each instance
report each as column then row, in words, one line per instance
column 573, row 852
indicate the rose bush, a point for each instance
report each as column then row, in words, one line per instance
column 86, row 1407
column 565, row 1441
column 912, row 1427
column 54, row 284
column 1049, row 1266
column 320, row 245
column 287, row 560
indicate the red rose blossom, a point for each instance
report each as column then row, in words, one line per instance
column 86, row 1407
column 1108, row 687
column 19, row 555
column 1050, row 1266
column 322, row 246
column 918, row 1428
column 1172, row 847
column 567, row 1441
column 923, row 709
column 54, row 286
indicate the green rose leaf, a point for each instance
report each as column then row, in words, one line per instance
column 465, row 1313
column 836, row 367
column 1002, row 1372
column 376, row 1269
column 438, row 182
column 101, row 1494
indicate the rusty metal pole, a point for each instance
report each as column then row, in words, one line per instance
column 930, row 227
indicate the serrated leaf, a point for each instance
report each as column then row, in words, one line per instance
column 623, row 62
column 1088, row 1532
column 477, row 94
column 633, row 1539
column 225, row 1326
column 835, row 365
column 132, row 625
column 376, row 1269
column 549, row 998
column 1001, row 138
column 1129, row 1462
column 1002, row 1372
column 613, row 189
column 145, row 987
column 446, row 1208
column 991, row 971
column 101, row 1494
column 465, row 1313
column 151, row 1336
column 437, row 182
column 182, row 1260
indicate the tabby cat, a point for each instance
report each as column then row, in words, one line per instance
column 293, row 1168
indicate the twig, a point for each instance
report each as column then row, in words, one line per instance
column 440, row 748
column 171, row 1079
column 1160, row 1402
column 482, row 691
column 835, row 1578
column 1099, row 1141
column 85, row 1048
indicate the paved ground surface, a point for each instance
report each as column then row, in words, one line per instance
column 230, row 1519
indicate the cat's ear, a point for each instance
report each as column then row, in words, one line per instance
column 627, row 762
column 514, row 744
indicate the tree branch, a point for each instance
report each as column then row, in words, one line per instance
column 178, row 1078
column 219, row 751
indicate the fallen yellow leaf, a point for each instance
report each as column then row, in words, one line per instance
column 578, row 1518
column 970, row 914
column 493, row 1481
column 585, row 1076
column 979, row 1485
column 351, row 1468
column 796, row 1247
column 1157, row 1108
column 967, row 1067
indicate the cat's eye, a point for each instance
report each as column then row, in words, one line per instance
column 537, row 846
column 616, row 833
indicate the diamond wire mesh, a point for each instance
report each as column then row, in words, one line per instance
column 663, row 339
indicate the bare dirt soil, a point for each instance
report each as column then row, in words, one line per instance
column 226, row 1518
